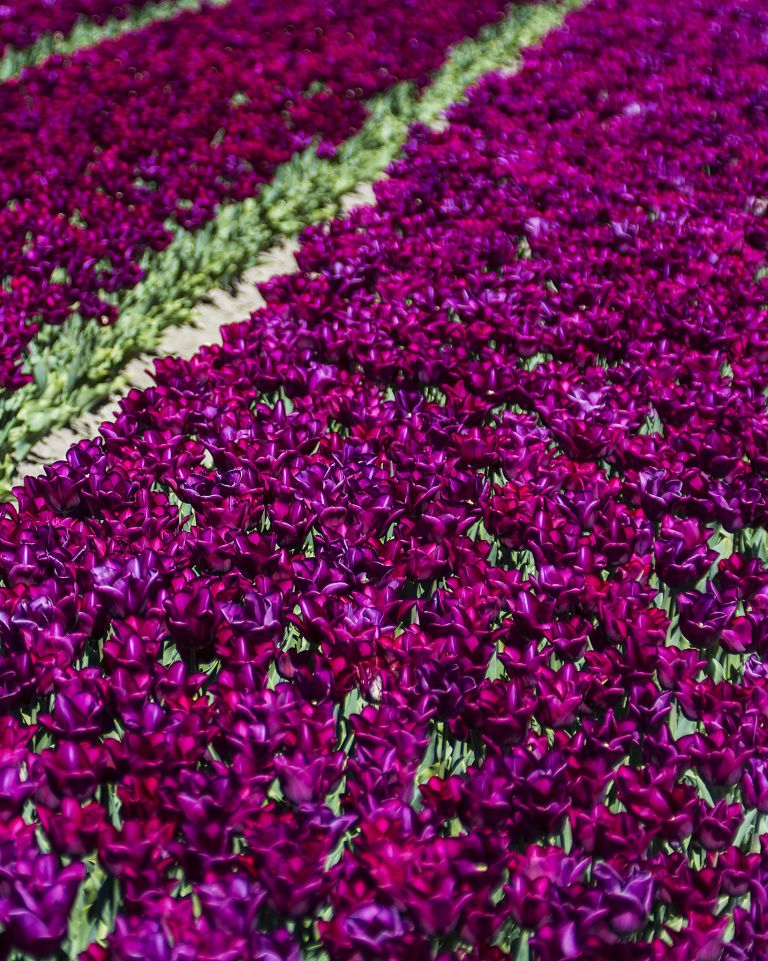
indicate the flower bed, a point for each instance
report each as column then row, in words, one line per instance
column 22, row 22
column 105, row 151
column 79, row 364
column 425, row 617
column 35, row 32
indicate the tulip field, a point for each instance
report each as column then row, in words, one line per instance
column 424, row 616
column 142, row 171
column 24, row 22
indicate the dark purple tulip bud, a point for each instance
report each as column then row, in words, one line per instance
column 568, row 637
column 137, row 853
column 214, row 549
column 754, row 785
column 73, row 769
column 533, row 879
column 192, row 616
column 374, row 932
column 206, row 827
column 58, row 488
column 304, row 781
column 675, row 664
column 442, row 796
column 39, row 930
column 561, row 695
column 371, row 927
column 628, row 901
column 701, row 939
column 74, row 829
column 659, row 492
column 78, row 716
column 623, row 537
column 741, row 576
column 289, row 849
column 14, row 737
column 716, row 756
column 501, row 711
column 646, row 634
column 16, row 679
column 24, row 568
column 681, row 554
column 143, row 939
column 36, row 896
column 717, row 826
column 278, row 946
column 756, row 670
column 604, row 833
column 175, row 688
column 738, row 870
column 704, row 616
column 232, row 903
column 389, row 745
column 661, row 804
column 258, row 618
column 648, row 708
column 739, row 637
column 426, row 562
column 564, row 585
column 716, row 454
column 15, row 790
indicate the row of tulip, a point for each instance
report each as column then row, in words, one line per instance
column 424, row 618
column 23, row 22
column 80, row 364
column 103, row 149
column 30, row 32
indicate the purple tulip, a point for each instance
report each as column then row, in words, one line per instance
column 628, row 901
column 681, row 553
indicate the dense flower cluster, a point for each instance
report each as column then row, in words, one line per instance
column 22, row 22
column 103, row 150
column 425, row 618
